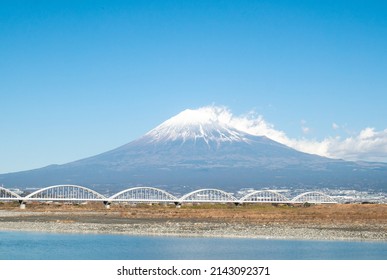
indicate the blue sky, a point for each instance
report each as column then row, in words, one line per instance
column 78, row 78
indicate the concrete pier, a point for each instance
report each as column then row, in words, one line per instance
column 107, row 204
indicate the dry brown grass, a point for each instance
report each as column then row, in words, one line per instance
column 328, row 214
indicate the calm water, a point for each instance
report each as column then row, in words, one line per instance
column 47, row 246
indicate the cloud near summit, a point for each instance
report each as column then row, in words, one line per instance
column 367, row 145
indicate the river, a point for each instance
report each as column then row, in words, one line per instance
column 53, row 246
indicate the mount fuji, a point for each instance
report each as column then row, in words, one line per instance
column 199, row 148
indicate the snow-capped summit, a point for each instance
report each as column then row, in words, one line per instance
column 208, row 124
column 203, row 115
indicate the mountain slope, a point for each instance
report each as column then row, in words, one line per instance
column 197, row 148
column 199, row 136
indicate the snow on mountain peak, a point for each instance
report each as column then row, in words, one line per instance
column 204, row 115
column 210, row 124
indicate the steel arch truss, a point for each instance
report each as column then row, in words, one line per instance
column 265, row 196
column 208, row 195
column 143, row 194
column 65, row 193
column 6, row 194
column 313, row 197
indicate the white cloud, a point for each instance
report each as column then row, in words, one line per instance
column 305, row 129
column 368, row 144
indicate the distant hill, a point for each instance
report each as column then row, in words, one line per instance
column 194, row 149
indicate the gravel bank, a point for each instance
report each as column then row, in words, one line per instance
column 97, row 224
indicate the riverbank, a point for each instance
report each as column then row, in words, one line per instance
column 319, row 222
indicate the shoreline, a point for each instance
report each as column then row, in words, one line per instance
column 172, row 222
column 268, row 233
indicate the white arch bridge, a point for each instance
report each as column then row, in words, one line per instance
column 78, row 194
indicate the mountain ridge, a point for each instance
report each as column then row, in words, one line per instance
column 199, row 148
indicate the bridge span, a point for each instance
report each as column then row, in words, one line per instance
column 80, row 194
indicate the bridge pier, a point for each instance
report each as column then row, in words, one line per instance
column 22, row 204
column 107, row 204
column 177, row 204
